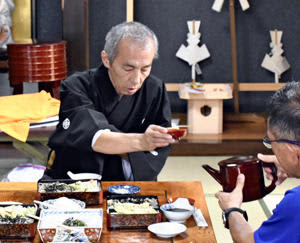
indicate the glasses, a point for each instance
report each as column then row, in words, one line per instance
column 268, row 143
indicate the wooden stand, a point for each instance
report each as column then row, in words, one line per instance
column 205, row 110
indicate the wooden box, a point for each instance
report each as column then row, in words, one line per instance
column 205, row 109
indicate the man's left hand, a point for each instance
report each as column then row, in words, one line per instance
column 233, row 199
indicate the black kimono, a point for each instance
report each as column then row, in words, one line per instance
column 89, row 103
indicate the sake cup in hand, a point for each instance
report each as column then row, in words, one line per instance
column 177, row 133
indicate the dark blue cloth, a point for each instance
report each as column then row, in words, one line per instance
column 284, row 224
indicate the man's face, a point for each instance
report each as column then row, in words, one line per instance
column 131, row 66
column 287, row 155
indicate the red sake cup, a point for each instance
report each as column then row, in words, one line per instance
column 177, row 133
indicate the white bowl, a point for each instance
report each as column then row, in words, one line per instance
column 179, row 216
column 167, row 229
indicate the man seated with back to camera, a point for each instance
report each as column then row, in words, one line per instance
column 283, row 136
column 113, row 119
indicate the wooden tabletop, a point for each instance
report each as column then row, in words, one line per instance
column 27, row 192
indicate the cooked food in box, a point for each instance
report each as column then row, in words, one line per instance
column 14, row 222
column 78, row 186
column 89, row 191
column 125, row 212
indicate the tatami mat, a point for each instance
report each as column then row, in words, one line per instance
column 190, row 169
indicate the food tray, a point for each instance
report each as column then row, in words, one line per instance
column 131, row 221
column 18, row 230
column 90, row 198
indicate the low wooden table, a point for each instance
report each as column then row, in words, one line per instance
column 27, row 192
column 35, row 146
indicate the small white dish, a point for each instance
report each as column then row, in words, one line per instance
column 63, row 203
column 167, row 229
column 83, row 176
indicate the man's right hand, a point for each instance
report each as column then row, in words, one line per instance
column 281, row 174
column 156, row 136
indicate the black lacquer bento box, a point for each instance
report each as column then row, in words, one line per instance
column 19, row 227
column 125, row 220
column 55, row 188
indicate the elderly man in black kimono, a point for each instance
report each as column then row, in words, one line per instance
column 114, row 119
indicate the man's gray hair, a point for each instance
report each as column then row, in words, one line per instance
column 128, row 30
column 284, row 112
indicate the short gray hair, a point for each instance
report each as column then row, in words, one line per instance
column 284, row 112
column 128, row 30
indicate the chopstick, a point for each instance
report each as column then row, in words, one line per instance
column 56, row 224
column 166, row 196
column 167, row 201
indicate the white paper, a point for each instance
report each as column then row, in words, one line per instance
column 199, row 219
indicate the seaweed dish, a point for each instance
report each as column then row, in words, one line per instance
column 74, row 222
column 78, row 186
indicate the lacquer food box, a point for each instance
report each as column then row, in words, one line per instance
column 13, row 222
column 132, row 212
column 89, row 191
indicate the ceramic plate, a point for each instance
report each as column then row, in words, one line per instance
column 123, row 189
column 81, row 204
column 167, row 229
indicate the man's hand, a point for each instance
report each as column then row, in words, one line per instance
column 281, row 174
column 156, row 136
column 233, row 199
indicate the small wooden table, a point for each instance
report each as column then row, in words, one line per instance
column 27, row 192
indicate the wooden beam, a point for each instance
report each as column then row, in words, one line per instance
column 129, row 10
column 173, row 87
column 260, row 86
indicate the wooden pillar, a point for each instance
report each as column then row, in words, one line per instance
column 22, row 21
column 234, row 57
column 86, row 36
column 129, row 10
